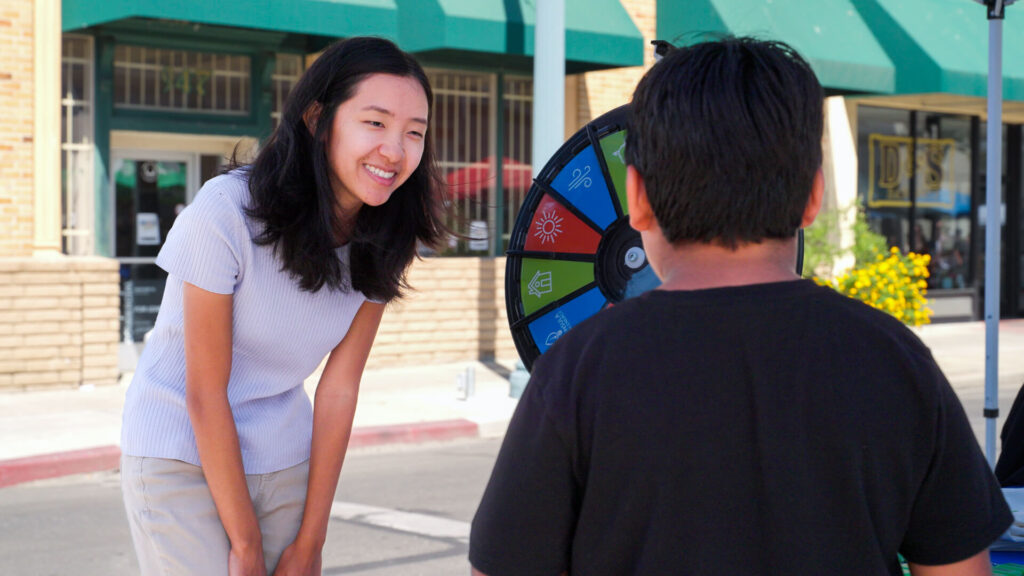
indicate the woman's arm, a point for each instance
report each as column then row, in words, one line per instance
column 333, row 411
column 207, row 367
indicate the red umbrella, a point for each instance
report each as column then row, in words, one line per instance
column 470, row 180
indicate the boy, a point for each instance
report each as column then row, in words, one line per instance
column 739, row 419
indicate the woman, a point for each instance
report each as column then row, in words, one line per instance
column 227, row 469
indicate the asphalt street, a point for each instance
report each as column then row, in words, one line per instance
column 398, row 510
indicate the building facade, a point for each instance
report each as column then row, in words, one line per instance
column 905, row 124
column 139, row 102
column 147, row 101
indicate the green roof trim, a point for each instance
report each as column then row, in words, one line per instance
column 942, row 45
column 599, row 33
column 329, row 18
column 830, row 34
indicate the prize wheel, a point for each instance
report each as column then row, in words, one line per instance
column 572, row 252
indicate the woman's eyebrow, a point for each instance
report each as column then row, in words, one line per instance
column 387, row 112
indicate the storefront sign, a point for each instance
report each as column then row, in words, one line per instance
column 185, row 80
column 891, row 167
column 147, row 229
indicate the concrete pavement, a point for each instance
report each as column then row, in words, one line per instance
column 51, row 433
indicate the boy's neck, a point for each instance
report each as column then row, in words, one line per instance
column 694, row 266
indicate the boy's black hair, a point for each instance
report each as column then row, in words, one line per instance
column 727, row 137
column 291, row 191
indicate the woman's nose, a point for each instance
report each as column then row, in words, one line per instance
column 392, row 151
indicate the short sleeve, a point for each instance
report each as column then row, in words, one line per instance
column 527, row 516
column 205, row 244
column 959, row 509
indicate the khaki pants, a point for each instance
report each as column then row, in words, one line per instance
column 174, row 523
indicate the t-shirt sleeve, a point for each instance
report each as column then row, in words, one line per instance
column 204, row 246
column 959, row 510
column 526, row 519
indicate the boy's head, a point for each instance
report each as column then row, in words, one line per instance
column 726, row 136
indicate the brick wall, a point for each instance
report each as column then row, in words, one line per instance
column 16, row 127
column 599, row 92
column 457, row 312
column 58, row 322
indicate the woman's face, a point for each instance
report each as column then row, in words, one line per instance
column 376, row 140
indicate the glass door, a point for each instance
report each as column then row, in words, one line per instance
column 150, row 190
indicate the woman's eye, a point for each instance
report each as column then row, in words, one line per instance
column 375, row 123
column 415, row 134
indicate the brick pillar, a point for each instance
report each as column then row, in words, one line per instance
column 46, row 132
column 599, row 92
column 16, row 127
column 58, row 322
column 58, row 315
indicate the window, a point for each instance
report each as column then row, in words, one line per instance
column 176, row 80
column 942, row 215
column 915, row 181
column 287, row 71
column 76, row 145
column 518, row 118
column 464, row 126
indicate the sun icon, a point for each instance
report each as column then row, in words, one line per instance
column 549, row 226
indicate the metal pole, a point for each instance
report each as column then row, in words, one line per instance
column 548, row 81
column 993, row 201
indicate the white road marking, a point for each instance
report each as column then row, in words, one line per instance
column 411, row 522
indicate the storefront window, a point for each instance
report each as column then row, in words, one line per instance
column 287, row 71
column 883, row 179
column 518, row 118
column 462, row 124
column 943, row 206
column 915, row 180
column 181, row 81
column 76, row 144
column 1020, row 222
column 149, row 194
column 981, row 210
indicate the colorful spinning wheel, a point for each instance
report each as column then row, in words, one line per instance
column 572, row 252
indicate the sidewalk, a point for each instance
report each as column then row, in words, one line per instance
column 52, row 433
column 44, row 434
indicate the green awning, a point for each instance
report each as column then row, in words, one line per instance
column 942, row 45
column 830, row 34
column 328, row 18
column 598, row 33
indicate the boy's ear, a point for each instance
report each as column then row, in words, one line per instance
column 641, row 217
column 310, row 117
column 814, row 200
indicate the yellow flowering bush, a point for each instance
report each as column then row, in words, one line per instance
column 894, row 283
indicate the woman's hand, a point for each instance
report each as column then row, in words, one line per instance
column 246, row 563
column 299, row 559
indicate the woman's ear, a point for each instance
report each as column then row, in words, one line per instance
column 311, row 116
column 641, row 217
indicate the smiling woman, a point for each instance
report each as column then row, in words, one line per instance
column 377, row 140
column 272, row 267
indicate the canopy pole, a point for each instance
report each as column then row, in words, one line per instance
column 993, row 221
column 548, row 81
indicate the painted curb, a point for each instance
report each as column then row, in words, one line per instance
column 30, row 468
column 413, row 433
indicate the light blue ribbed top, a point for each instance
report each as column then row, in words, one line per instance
column 280, row 335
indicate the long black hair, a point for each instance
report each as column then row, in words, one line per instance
column 292, row 195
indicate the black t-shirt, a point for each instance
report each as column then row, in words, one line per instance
column 767, row 429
